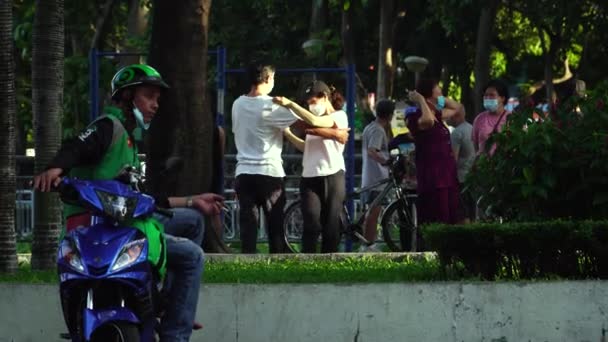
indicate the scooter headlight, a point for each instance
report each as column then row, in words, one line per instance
column 117, row 207
column 129, row 254
column 69, row 252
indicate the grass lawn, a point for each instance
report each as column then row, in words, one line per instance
column 367, row 269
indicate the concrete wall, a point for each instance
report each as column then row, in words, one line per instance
column 441, row 311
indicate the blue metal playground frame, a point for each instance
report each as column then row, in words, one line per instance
column 222, row 71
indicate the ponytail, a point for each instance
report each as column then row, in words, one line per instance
column 336, row 98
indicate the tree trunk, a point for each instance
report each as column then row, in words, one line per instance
column 467, row 95
column 101, row 21
column 8, row 246
column 386, row 66
column 184, row 124
column 550, row 49
column 47, row 99
column 349, row 57
column 136, row 29
column 445, row 77
column 549, row 85
column 482, row 55
column 318, row 18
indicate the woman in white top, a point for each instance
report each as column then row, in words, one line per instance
column 322, row 187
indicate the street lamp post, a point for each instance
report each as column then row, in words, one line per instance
column 416, row 65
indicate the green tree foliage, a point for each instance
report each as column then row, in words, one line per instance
column 551, row 168
column 80, row 20
column 442, row 31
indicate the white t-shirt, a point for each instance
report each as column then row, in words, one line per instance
column 258, row 126
column 374, row 136
column 323, row 157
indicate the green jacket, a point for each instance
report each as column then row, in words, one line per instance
column 121, row 151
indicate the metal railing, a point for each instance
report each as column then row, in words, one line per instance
column 24, row 209
column 24, row 213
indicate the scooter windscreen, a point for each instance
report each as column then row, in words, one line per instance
column 109, row 198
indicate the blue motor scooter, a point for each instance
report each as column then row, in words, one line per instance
column 109, row 288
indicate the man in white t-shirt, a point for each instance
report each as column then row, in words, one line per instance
column 258, row 126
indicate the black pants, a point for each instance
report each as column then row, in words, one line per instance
column 255, row 191
column 322, row 201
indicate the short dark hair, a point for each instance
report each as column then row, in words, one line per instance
column 385, row 108
column 258, row 73
column 425, row 87
column 501, row 88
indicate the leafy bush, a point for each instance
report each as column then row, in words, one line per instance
column 566, row 249
column 555, row 168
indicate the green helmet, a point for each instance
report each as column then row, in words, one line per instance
column 136, row 74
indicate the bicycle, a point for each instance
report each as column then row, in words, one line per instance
column 398, row 219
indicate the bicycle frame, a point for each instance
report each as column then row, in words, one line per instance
column 391, row 183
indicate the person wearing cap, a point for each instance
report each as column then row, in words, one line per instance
column 322, row 188
column 375, row 155
column 258, row 125
column 101, row 151
column 437, row 185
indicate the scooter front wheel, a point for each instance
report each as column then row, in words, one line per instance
column 116, row 332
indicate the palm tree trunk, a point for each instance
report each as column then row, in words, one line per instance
column 8, row 250
column 483, row 48
column 47, row 102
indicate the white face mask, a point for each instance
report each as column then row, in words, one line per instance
column 317, row 109
column 139, row 117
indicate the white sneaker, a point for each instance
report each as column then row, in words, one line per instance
column 373, row 248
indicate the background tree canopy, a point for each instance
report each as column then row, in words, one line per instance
column 530, row 42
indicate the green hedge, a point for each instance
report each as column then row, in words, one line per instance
column 564, row 249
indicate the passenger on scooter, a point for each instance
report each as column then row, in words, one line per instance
column 102, row 150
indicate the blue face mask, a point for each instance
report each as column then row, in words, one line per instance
column 490, row 104
column 440, row 102
column 546, row 108
column 139, row 117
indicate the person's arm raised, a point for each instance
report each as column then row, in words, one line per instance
column 297, row 142
column 452, row 108
column 308, row 117
column 427, row 119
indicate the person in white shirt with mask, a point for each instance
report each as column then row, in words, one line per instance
column 322, row 188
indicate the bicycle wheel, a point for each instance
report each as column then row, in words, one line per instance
column 293, row 226
column 398, row 226
column 213, row 241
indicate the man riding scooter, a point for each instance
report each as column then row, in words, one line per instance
column 102, row 150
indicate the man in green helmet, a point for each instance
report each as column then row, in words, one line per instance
column 102, row 150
